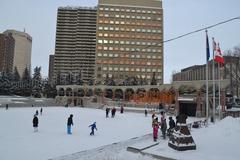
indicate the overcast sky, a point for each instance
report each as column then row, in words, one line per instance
column 38, row 17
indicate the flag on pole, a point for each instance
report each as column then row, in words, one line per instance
column 207, row 47
column 218, row 56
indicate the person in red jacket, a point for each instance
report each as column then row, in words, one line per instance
column 155, row 129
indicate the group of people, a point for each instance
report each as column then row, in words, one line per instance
column 162, row 124
column 113, row 112
column 69, row 123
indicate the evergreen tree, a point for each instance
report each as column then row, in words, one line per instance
column 37, row 82
column 26, row 75
column 16, row 76
column 26, row 90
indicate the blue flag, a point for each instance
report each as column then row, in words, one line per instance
column 207, row 47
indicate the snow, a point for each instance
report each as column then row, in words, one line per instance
column 18, row 141
column 218, row 141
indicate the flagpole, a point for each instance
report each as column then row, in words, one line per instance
column 213, row 81
column 219, row 92
column 207, row 58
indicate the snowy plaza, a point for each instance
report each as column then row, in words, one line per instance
column 18, row 141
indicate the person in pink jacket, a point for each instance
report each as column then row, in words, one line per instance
column 155, row 129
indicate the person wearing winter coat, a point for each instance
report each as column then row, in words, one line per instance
column 69, row 124
column 155, row 126
column 107, row 112
column 35, row 123
column 121, row 109
column 36, row 113
column 163, row 125
column 93, row 126
column 41, row 110
column 172, row 125
column 113, row 112
column 146, row 112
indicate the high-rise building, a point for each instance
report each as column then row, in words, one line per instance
column 75, row 42
column 22, row 50
column 6, row 53
column 129, row 40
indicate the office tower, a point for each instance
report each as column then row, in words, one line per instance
column 129, row 40
column 75, row 42
column 6, row 53
column 22, row 50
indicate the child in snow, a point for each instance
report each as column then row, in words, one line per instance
column 93, row 126
column 35, row 123
column 69, row 124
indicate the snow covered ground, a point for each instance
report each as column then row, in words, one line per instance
column 18, row 141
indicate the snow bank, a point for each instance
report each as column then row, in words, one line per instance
column 219, row 141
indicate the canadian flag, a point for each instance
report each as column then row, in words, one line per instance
column 218, row 54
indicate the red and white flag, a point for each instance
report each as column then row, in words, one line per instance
column 218, row 54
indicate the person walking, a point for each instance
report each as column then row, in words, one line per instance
column 93, row 126
column 36, row 113
column 163, row 125
column 41, row 110
column 6, row 106
column 121, row 109
column 171, row 125
column 155, row 126
column 69, row 124
column 113, row 112
column 35, row 123
column 145, row 112
column 107, row 112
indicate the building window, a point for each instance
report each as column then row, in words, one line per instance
column 99, row 54
column 105, row 55
column 100, row 28
column 104, row 68
column 100, row 41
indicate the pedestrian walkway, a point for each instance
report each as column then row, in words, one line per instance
column 116, row 150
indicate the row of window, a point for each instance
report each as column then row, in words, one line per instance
column 100, row 21
column 139, row 36
column 131, row 69
column 123, row 29
column 116, row 55
column 142, row 76
column 127, row 62
column 106, row 48
column 130, row 16
column 142, row 43
column 130, row 10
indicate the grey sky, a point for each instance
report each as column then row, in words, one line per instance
column 180, row 16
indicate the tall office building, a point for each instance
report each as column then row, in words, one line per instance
column 6, row 53
column 75, row 42
column 129, row 40
column 22, row 50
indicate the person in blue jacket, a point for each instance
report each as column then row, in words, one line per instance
column 93, row 126
column 69, row 124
